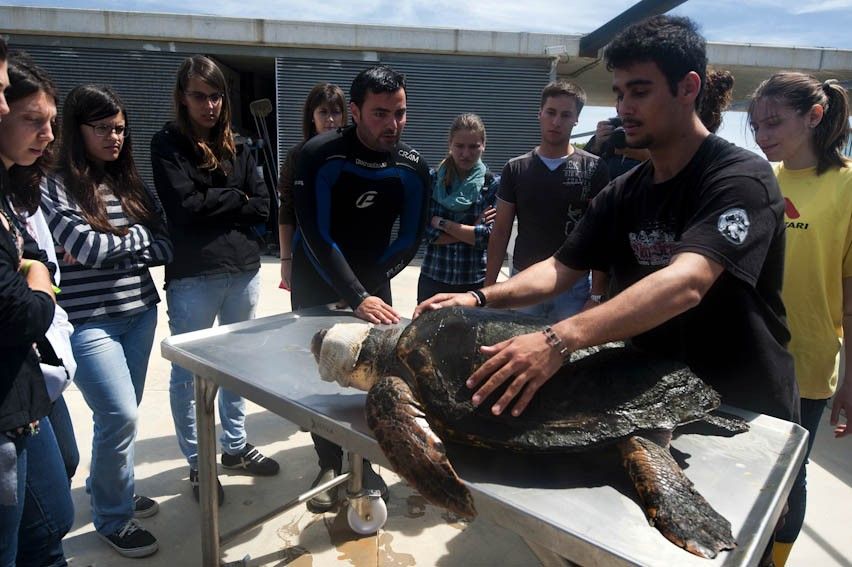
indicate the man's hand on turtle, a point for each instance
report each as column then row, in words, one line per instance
column 528, row 361
column 442, row 300
column 374, row 310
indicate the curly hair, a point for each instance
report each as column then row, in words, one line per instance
column 717, row 96
column 672, row 42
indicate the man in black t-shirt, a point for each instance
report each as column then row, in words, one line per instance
column 694, row 239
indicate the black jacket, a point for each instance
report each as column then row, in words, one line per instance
column 212, row 216
column 25, row 316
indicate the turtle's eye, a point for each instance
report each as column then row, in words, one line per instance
column 316, row 343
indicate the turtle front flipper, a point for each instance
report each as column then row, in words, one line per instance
column 415, row 452
column 671, row 502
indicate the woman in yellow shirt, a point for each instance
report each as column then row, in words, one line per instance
column 803, row 123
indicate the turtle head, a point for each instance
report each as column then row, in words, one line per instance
column 354, row 354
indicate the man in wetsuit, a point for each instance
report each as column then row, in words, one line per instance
column 351, row 187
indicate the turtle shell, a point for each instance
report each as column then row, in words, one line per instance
column 602, row 395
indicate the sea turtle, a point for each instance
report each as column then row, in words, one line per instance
column 609, row 395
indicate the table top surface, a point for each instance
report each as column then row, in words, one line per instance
column 582, row 507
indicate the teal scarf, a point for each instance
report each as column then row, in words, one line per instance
column 463, row 193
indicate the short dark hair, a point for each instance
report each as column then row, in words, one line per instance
column 564, row 88
column 377, row 79
column 672, row 42
column 3, row 48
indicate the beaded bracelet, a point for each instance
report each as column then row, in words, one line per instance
column 556, row 344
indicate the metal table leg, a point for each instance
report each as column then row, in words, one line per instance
column 205, row 398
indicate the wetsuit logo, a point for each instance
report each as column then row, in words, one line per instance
column 366, row 199
column 409, row 155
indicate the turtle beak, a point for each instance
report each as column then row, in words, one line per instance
column 316, row 343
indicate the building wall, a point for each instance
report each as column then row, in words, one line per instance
column 504, row 92
column 143, row 80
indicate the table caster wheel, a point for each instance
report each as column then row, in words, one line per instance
column 366, row 514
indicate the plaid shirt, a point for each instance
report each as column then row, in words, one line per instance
column 460, row 263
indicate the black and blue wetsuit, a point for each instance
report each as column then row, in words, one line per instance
column 347, row 199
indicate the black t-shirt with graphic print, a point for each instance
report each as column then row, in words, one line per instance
column 725, row 205
column 548, row 203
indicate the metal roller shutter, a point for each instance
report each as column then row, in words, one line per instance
column 143, row 79
column 504, row 92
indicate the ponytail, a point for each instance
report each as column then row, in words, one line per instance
column 801, row 92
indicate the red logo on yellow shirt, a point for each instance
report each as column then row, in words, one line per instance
column 790, row 209
column 792, row 213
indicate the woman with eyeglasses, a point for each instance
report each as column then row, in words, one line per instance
column 214, row 196
column 110, row 228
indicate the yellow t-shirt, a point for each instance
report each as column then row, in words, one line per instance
column 819, row 237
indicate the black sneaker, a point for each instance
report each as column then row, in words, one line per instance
column 132, row 540
column 193, row 480
column 324, row 501
column 144, row 507
column 251, row 461
column 372, row 481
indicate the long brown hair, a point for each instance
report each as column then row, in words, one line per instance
column 86, row 104
column 801, row 92
column 220, row 148
column 467, row 121
column 327, row 94
column 26, row 79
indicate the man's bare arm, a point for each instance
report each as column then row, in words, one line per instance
column 648, row 303
column 528, row 361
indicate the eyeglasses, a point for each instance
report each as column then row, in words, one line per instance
column 104, row 130
column 201, row 98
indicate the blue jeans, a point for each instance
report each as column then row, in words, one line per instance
column 194, row 304
column 63, row 429
column 564, row 305
column 112, row 362
column 48, row 508
column 31, row 533
column 811, row 411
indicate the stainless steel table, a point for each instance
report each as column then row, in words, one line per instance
column 571, row 509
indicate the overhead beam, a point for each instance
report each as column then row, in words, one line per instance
column 591, row 43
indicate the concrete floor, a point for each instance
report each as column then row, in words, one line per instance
column 415, row 534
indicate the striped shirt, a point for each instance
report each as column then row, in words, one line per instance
column 110, row 278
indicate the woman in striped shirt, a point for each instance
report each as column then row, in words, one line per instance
column 111, row 229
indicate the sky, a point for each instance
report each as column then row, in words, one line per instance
column 804, row 23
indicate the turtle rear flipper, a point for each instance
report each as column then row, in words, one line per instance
column 671, row 502
column 415, row 452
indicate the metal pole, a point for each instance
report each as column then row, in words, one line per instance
column 205, row 395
